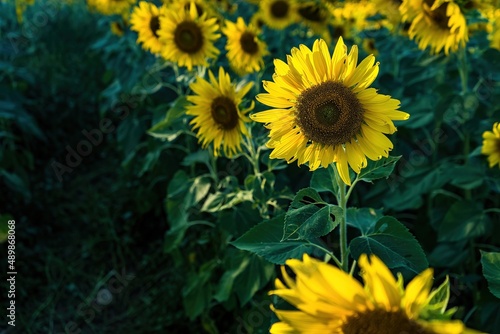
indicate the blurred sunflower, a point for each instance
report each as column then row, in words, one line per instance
column 278, row 14
column 390, row 11
column 438, row 24
column 324, row 111
column 217, row 114
column 351, row 18
column 315, row 16
column 188, row 39
column 112, row 7
column 145, row 20
column 491, row 145
column 118, row 27
column 245, row 50
column 202, row 6
column 331, row 301
column 21, row 6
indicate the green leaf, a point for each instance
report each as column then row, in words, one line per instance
column 394, row 245
column 309, row 216
column 468, row 177
column 200, row 156
column 253, row 278
column 436, row 307
column 239, row 264
column 464, row 220
column 491, row 271
column 265, row 240
column 310, row 221
column 163, row 129
column 222, row 201
column 364, row 219
column 323, row 179
column 378, row 169
column 197, row 293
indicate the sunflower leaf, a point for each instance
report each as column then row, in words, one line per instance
column 378, row 169
column 491, row 271
column 265, row 240
column 394, row 245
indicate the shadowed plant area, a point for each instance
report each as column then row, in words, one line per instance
column 250, row 167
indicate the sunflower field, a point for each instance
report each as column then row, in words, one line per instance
column 250, row 167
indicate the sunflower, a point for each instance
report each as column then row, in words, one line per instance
column 112, row 7
column 491, row 145
column 245, row 50
column 438, row 24
column 278, row 14
column 202, row 6
column 331, row 301
column 188, row 38
column 145, row 20
column 118, row 27
column 325, row 112
column 390, row 11
column 216, row 112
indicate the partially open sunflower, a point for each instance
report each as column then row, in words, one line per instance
column 323, row 110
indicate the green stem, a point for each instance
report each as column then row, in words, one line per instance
column 342, row 200
column 337, row 262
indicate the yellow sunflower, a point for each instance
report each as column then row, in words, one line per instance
column 202, row 6
column 111, row 7
column 217, row 114
column 324, row 111
column 245, row 50
column 315, row 15
column 491, row 145
column 331, row 301
column 438, row 24
column 145, row 20
column 390, row 11
column 188, row 39
column 278, row 14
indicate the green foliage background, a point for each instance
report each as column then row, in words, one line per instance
column 195, row 240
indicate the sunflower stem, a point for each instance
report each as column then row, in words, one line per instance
column 328, row 252
column 342, row 200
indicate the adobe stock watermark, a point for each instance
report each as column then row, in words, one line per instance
column 113, row 284
column 94, row 137
column 31, row 27
column 256, row 318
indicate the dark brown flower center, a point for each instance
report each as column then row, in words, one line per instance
column 438, row 15
column 154, row 25
column 312, row 13
column 382, row 322
column 329, row 113
column 224, row 112
column 188, row 37
column 248, row 43
column 279, row 9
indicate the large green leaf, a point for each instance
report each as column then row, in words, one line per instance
column 394, row 245
column 265, row 240
column 165, row 129
column 323, row 179
column 364, row 219
column 491, row 271
column 378, row 169
column 464, row 220
column 309, row 216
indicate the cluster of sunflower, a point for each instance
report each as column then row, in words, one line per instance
column 322, row 112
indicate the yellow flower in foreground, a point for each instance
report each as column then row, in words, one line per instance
column 245, row 50
column 218, row 117
column 324, row 111
column 438, row 24
column 491, row 145
column 145, row 20
column 188, row 39
column 331, row 301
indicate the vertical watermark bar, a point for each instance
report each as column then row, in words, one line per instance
column 11, row 272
